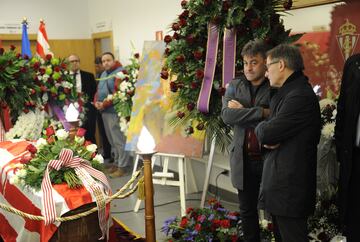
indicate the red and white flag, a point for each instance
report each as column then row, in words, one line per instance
column 42, row 45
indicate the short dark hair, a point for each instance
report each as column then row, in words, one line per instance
column 108, row 53
column 290, row 54
column 97, row 60
column 255, row 47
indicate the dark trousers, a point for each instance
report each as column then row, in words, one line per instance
column 352, row 222
column 248, row 200
column 288, row 229
column 90, row 122
column 104, row 140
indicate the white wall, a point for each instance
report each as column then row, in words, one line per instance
column 65, row 19
column 134, row 20
column 305, row 19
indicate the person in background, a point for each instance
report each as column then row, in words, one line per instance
column 245, row 104
column 107, row 86
column 291, row 134
column 347, row 139
column 86, row 84
column 106, row 147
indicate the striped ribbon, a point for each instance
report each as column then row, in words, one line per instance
column 229, row 54
column 85, row 172
column 210, row 65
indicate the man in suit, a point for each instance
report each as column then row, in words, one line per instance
column 347, row 138
column 86, row 84
column 245, row 104
column 291, row 134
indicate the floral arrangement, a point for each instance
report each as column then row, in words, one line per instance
column 324, row 224
column 122, row 99
column 212, row 223
column 186, row 51
column 17, row 89
column 328, row 115
column 48, row 148
column 28, row 126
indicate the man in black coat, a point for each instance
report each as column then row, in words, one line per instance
column 86, row 84
column 245, row 104
column 347, row 137
column 291, row 135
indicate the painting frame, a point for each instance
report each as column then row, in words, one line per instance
column 312, row 3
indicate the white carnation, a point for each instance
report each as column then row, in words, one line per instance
column 326, row 101
column 61, row 134
column 92, row 148
column 79, row 140
column 99, row 158
column 40, row 143
column 328, row 130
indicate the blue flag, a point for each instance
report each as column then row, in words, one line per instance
column 25, row 43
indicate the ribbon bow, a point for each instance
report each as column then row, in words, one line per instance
column 85, row 173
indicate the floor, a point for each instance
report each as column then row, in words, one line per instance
column 166, row 203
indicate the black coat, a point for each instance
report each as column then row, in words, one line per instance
column 288, row 186
column 88, row 87
column 348, row 108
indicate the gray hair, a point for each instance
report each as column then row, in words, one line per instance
column 254, row 47
column 289, row 54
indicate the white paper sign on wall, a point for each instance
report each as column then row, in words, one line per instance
column 10, row 28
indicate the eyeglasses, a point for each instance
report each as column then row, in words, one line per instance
column 268, row 65
column 74, row 61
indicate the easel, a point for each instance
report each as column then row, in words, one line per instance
column 166, row 178
column 208, row 172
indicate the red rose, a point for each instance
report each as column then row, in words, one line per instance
column 176, row 36
column 50, row 131
column 183, row 222
column 51, row 140
column 189, row 210
column 137, row 55
column 2, row 51
column 194, row 85
column 200, row 126
column 225, row 223
column 199, row 74
column 180, row 114
column 12, row 47
column 63, row 66
column 190, row 39
column 26, row 110
column 164, row 74
column 80, row 132
column 32, row 91
column 180, row 58
column 26, row 57
column 173, row 87
column 36, row 65
column 198, row 54
column 42, row 71
column 183, row 4
column 182, row 22
column 31, row 148
column 255, row 23
column 189, row 130
column 175, row 26
column 184, row 14
column 18, row 55
column 198, row 227
column 190, row 106
column 48, row 57
column 167, row 39
column 43, row 88
column 25, row 159
column 270, row 226
column 167, row 51
column 57, row 69
column 87, row 142
column 130, row 93
column 93, row 155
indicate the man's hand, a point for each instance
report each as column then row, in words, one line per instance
column 99, row 106
column 235, row 104
column 272, row 147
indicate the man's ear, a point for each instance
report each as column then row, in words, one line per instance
column 282, row 65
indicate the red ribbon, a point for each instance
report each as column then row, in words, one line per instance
column 84, row 170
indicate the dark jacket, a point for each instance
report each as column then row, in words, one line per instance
column 288, row 184
column 240, row 119
column 348, row 108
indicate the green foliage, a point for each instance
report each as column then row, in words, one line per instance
column 186, row 51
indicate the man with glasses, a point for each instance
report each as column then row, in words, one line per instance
column 86, row 84
column 245, row 104
column 291, row 135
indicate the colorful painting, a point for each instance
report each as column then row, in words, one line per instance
column 153, row 108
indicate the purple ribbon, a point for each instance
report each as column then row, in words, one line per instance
column 209, row 72
column 61, row 116
column 229, row 53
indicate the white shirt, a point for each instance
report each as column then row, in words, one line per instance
column 78, row 80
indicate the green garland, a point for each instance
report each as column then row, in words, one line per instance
column 186, row 50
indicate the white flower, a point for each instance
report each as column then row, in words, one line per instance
column 124, row 125
column 334, row 113
column 61, row 134
column 79, row 140
column 76, row 105
column 123, row 86
column 109, row 97
column 328, row 130
column 40, row 143
column 92, row 148
column 14, row 180
column 99, row 158
column 21, row 173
